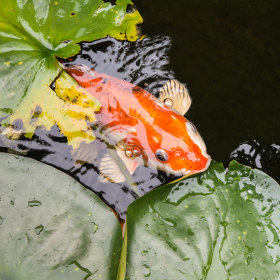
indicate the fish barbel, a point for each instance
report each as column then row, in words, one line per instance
column 146, row 130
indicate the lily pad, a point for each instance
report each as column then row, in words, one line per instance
column 34, row 33
column 51, row 227
column 218, row 225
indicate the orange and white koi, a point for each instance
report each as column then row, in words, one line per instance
column 146, row 130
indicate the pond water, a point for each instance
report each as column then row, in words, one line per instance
column 226, row 53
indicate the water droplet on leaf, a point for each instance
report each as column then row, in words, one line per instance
column 33, row 203
column 38, row 229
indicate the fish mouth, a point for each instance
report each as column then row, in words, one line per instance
column 209, row 159
column 183, row 173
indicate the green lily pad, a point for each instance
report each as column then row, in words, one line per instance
column 218, row 225
column 51, row 227
column 34, row 33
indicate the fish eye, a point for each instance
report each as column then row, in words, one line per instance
column 129, row 152
column 161, row 155
column 191, row 127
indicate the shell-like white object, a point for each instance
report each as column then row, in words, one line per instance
column 175, row 95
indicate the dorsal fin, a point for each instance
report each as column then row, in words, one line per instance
column 175, row 95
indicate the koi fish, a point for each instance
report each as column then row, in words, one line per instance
column 145, row 129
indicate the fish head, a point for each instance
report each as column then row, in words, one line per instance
column 177, row 148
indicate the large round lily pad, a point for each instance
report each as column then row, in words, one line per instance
column 218, row 225
column 51, row 227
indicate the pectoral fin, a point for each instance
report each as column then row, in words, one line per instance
column 130, row 163
column 175, row 95
column 110, row 171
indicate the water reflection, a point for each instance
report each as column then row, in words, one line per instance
column 143, row 63
column 258, row 155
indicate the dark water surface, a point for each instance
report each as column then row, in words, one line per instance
column 227, row 54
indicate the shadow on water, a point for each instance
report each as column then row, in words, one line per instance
column 227, row 53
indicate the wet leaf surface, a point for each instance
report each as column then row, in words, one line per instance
column 52, row 226
column 34, row 33
column 218, row 225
